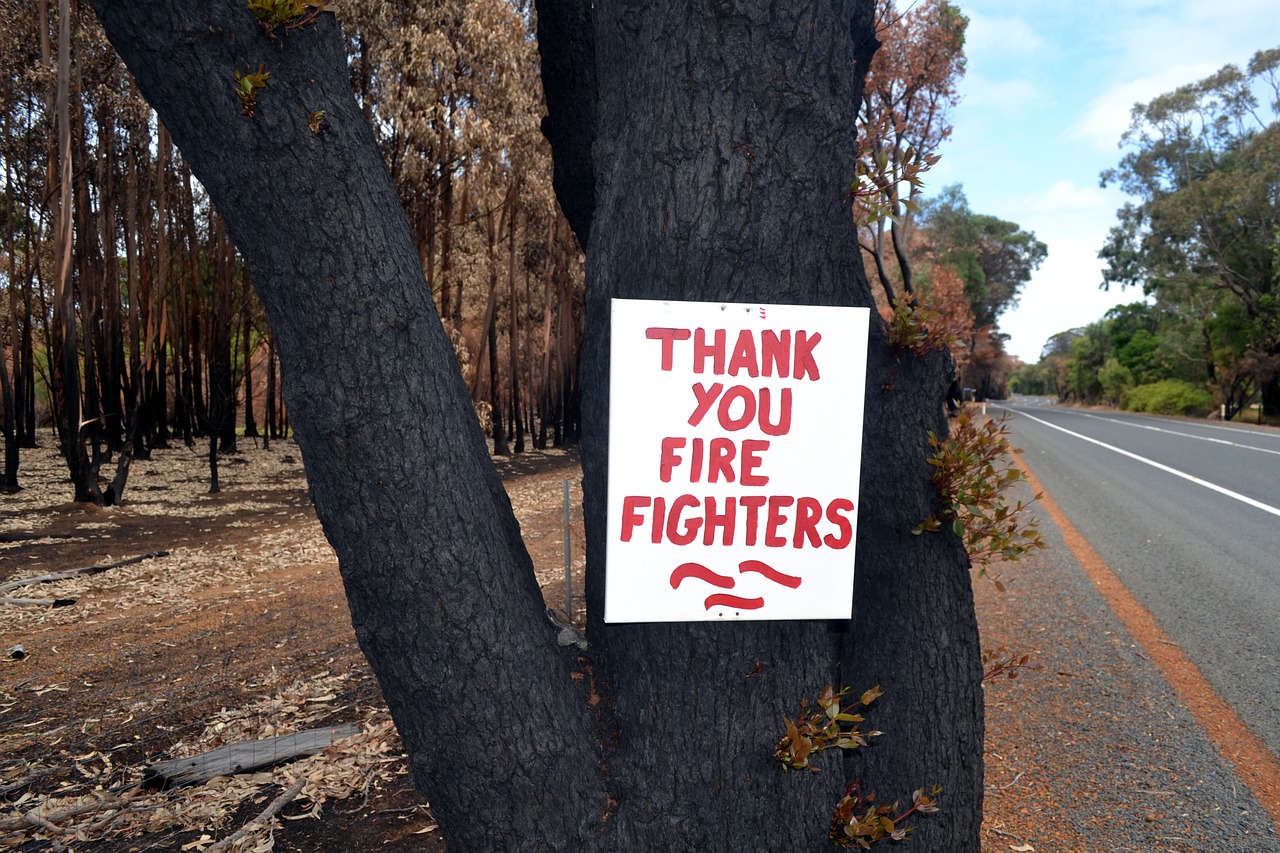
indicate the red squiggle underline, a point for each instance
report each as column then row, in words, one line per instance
column 735, row 601
column 769, row 572
column 697, row 571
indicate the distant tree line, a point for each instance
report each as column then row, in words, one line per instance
column 1202, row 241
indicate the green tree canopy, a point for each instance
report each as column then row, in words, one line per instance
column 995, row 257
column 1203, row 235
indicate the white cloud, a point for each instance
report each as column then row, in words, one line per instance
column 1066, row 211
column 1107, row 116
column 999, row 35
column 1063, row 295
column 1072, row 220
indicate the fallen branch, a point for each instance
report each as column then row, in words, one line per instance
column 50, row 822
column 83, row 570
column 261, row 820
column 37, row 602
column 6, row 538
column 242, row 757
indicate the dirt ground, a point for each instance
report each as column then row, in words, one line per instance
column 233, row 627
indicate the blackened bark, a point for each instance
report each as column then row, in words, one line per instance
column 246, row 359
column 904, row 258
column 514, row 318
column 1271, row 398
column 222, row 387
column 723, row 156
column 271, row 393
column 566, row 42
column 64, row 356
column 724, row 150
column 442, row 594
column 8, row 426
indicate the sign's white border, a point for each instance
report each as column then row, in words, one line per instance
column 717, row 512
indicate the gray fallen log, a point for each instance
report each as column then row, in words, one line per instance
column 37, row 602
column 241, row 757
column 73, row 573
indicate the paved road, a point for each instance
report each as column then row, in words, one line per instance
column 1192, row 528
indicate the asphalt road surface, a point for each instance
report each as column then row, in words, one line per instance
column 1187, row 514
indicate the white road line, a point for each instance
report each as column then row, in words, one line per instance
column 1213, row 486
column 1183, row 434
column 1257, row 433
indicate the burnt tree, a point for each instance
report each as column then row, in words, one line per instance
column 723, row 137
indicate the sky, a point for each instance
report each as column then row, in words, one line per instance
column 1044, row 102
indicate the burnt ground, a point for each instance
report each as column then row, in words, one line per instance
column 241, row 632
column 235, row 630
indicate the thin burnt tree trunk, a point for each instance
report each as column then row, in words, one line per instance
column 903, row 255
column 544, row 376
column 513, row 311
column 116, row 402
column 246, row 355
column 154, row 403
column 271, row 392
column 496, row 415
column 65, row 353
column 24, row 373
column 8, row 424
column 8, row 399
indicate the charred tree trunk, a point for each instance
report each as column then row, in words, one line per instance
column 399, row 472
column 1271, row 398
column 271, row 392
column 778, row 231
column 66, row 347
column 513, row 310
column 671, row 751
column 9, row 410
column 246, row 355
column 8, row 425
column 115, row 398
column 497, row 416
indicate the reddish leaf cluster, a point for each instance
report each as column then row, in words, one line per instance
column 814, row 731
column 859, row 822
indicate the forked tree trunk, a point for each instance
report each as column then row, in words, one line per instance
column 732, row 186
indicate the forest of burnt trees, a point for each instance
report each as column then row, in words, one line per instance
column 129, row 322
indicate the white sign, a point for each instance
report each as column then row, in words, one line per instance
column 735, row 441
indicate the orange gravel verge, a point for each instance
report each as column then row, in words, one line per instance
column 1252, row 761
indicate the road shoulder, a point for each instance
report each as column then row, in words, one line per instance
column 1095, row 751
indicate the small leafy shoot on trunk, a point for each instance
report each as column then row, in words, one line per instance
column 290, row 14
column 973, row 473
column 247, row 86
column 827, row 727
column 859, row 822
